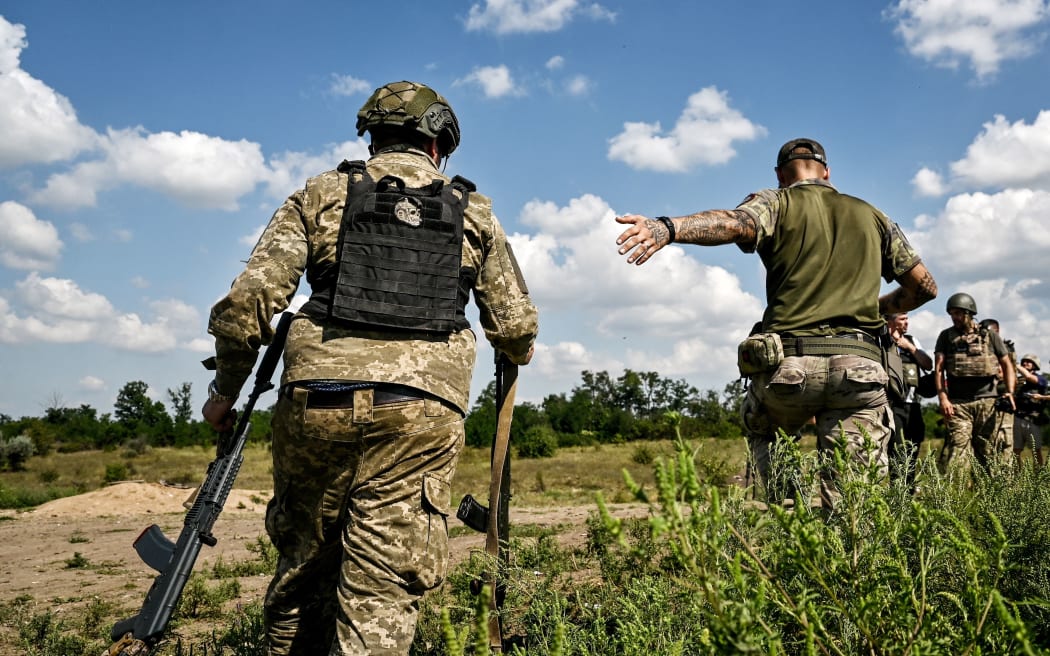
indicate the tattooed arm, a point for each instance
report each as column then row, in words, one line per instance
column 711, row 228
column 916, row 287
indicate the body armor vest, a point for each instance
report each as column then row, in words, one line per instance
column 399, row 255
column 971, row 354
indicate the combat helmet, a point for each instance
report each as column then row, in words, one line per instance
column 1031, row 357
column 962, row 301
column 413, row 106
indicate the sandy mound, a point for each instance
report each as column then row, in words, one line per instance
column 140, row 497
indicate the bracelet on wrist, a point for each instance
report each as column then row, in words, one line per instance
column 669, row 224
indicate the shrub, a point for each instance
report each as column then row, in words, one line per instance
column 16, row 451
column 115, row 472
column 538, row 442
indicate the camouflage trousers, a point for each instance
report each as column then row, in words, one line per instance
column 843, row 394
column 359, row 518
column 975, row 432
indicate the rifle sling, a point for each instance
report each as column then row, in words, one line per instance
column 499, row 456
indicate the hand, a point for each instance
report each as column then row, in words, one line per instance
column 219, row 414
column 640, row 241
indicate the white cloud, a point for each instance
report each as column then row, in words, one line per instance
column 287, row 171
column 1009, row 226
column 57, row 310
column 928, row 182
column 578, row 85
column 194, row 168
column 81, row 232
column 521, row 16
column 28, row 242
column 138, row 282
column 703, row 134
column 555, row 62
column 346, row 85
column 985, row 33
column 37, row 125
column 494, row 81
column 1007, row 155
column 91, row 384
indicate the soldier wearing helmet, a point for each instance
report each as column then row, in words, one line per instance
column 1031, row 403
column 815, row 352
column 968, row 361
column 368, row 425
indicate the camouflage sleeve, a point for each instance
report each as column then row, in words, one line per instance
column 898, row 255
column 508, row 316
column 240, row 322
column 764, row 208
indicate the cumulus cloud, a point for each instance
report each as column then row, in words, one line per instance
column 91, row 383
column 494, row 81
column 948, row 33
column 57, row 310
column 37, row 125
column 1007, row 155
column 28, row 242
column 523, row 16
column 197, row 169
column 928, row 182
column 570, row 271
column 704, row 134
column 555, row 62
column 578, row 85
column 288, row 170
column 1008, row 225
column 347, row 85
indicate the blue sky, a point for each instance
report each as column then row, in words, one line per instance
column 143, row 146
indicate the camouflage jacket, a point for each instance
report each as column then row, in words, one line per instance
column 301, row 238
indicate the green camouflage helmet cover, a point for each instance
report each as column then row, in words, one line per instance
column 962, row 301
column 414, row 106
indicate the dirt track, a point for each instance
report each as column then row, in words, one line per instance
column 38, row 547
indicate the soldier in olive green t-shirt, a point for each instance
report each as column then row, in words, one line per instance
column 824, row 254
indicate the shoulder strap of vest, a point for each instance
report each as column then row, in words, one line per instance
column 462, row 183
column 353, row 167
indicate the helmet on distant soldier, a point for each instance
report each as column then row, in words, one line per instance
column 1033, row 358
column 412, row 106
column 962, row 301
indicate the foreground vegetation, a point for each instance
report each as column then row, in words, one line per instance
column 959, row 569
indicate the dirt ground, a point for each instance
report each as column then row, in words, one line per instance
column 37, row 548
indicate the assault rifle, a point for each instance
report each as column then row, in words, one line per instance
column 494, row 521
column 138, row 635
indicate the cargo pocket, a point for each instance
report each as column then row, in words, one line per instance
column 432, row 560
column 329, row 424
column 866, row 375
column 789, row 379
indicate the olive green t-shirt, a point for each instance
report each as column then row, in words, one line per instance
column 824, row 253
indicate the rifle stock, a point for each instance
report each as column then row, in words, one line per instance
column 137, row 635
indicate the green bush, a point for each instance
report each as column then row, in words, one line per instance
column 537, row 442
column 16, row 451
column 115, row 472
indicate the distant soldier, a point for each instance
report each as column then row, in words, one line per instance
column 1031, row 400
column 967, row 362
column 907, row 410
column 1004, row 418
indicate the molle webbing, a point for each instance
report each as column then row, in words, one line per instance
column 970, row 355
column 400, row 251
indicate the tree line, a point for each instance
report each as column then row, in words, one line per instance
column 599, row 409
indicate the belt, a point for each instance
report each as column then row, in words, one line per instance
column 341, row 394
column 842, row 344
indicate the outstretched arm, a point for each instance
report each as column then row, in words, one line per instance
column 646, row 236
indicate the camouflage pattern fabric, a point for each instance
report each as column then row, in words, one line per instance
column 301, row 239
column 847, row 396
column 359, row 518
column 361, row 494
column 976, row 425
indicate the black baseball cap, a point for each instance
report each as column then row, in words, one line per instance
column 815, row 151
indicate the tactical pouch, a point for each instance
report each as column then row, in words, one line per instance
column 911, row 374
column 758, row 353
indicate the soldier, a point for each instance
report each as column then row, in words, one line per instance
column 907, row 410
column 815, row 352
column 1004, row 420
column 1029, row 418
column 368, row 425
column 967, row 361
